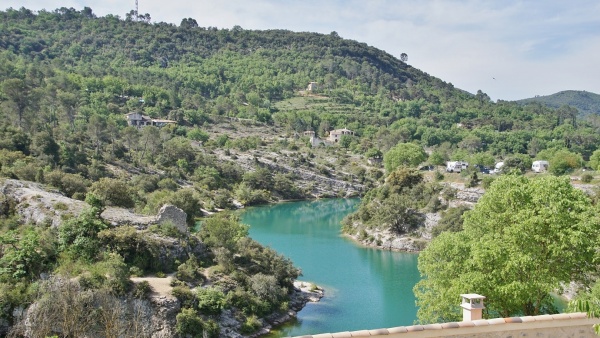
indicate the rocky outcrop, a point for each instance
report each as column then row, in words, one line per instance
column 302, row 294
column 170, row 214
column 463, row 195
column 417, row 241
column 321, row 186
column 164, row 316
column 37, row 205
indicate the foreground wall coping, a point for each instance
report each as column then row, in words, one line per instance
column 474, row 328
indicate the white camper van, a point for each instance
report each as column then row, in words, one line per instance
column 539, row 166
column 498, row 167
column 456, row 166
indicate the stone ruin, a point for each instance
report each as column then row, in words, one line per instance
column 171, row 214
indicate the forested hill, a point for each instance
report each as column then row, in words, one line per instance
column 586, row 102
column 71, row 68
column 207, row 61
column 180, row 67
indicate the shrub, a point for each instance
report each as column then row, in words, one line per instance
column 113, row 192
column 210, row 300
column 189, row 323
column 189, row 271
column 473, row 180
column 60, row 206
column 79, row 236
column 564, row 162
column 197, row 134
column 185, row 296
column 168, row 184
column 134, row 271
column 266, row 288
column 70, row 184
column 449, row 193
column 451, row 221
column 487, row 181
column 587, row 178
column 142, row 289
column 404, row 178
column 251, row 325
column 246, row 302
column 166, row 229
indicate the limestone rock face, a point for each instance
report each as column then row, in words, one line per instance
column 164, row 317
column 38, row 205
column 172, row 214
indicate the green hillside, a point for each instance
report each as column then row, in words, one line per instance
column 238, row 107
column 587, row 103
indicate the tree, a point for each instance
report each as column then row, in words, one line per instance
column 223, row 230
column 562, row 161
column 150, row 139
column 188, row 201
column 403, row 57
column 516, row 248
column 403, row 154
column 113, row 192
column 594, row 162
column 79, row 236
column 517, row 163
column 471, row 143
column 188, row 23
column 25, row 255
column 96, row 130
column 19, row 93
column 437, row 158
column 198, row 134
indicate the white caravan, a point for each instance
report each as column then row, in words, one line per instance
column 539, row 166
column 498, row 167
column 456, row 166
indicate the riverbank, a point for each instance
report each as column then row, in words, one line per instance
column 303, row 293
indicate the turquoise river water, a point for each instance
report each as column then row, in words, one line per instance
column 364, row 288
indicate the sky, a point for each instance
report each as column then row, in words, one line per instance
column 509, row 49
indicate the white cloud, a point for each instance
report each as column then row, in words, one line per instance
column 530, row 47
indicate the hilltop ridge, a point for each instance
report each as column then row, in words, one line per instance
column 586, row 102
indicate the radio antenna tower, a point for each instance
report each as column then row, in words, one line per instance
column 136, row 10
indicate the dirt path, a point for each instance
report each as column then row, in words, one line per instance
column 161, row 287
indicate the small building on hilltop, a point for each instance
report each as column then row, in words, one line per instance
column 336, row 134
column 139, row 120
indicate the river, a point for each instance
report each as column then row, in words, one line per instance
column 364, row 288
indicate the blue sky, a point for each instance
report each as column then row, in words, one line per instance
column 509, row 49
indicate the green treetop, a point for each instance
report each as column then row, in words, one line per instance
column 523, row 240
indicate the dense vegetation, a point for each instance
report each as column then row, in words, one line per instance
column 399, row 205
column 587, row 103
column 87, row 266
column 525, row 239
column 67, row 78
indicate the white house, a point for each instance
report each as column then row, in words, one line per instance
column 336, row 134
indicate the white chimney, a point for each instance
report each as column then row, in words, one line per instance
column 472, row 305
